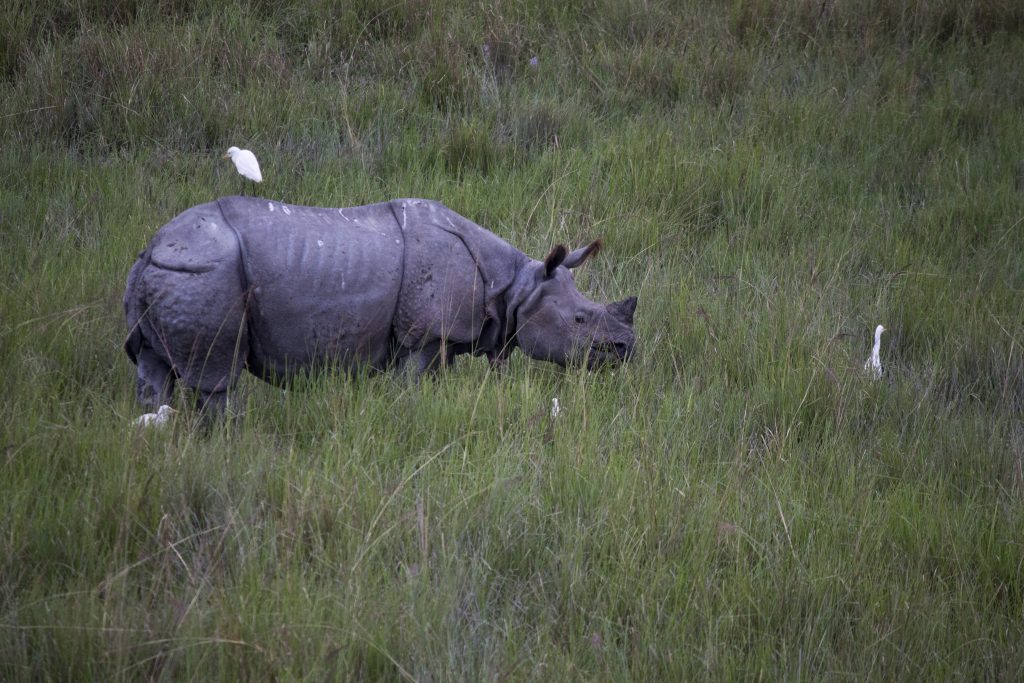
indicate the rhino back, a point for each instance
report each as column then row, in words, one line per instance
column 324, row 282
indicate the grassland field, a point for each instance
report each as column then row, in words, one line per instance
column 771, row 179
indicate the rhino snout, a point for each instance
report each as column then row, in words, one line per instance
column 604, row 351
column 616, row 347
column 625, row 350
column 621, row 345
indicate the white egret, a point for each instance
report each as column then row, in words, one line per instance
column 555, row 408
column 245, row 162
column 873, row 364
column 160, row 417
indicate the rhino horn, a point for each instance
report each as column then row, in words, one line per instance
column 578, row 256
column 623, row 310
column 554, row 259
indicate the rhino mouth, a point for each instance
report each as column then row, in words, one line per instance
column 608, row 353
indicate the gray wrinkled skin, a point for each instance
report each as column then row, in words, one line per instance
column 277, row 289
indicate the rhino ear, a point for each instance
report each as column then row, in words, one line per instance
column 623, row 310
column 578, row 256
column 554, row 259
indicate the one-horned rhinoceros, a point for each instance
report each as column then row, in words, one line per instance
column 276, row 289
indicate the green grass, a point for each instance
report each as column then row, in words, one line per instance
column 772, row 179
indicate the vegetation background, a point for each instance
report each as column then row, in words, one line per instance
column 772, row 179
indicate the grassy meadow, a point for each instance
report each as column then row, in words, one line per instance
column 771, row 179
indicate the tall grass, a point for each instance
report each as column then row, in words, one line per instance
column 772, row 179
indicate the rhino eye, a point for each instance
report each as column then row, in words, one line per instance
column 580, row 318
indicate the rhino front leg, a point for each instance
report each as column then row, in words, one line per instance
column 154, row 383
column 498, row 361
column 433, row 356
column 213, row 402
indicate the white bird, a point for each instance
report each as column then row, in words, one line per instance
column 555, row 408
column 874, row 364
column 245, row 162
column 160, row 417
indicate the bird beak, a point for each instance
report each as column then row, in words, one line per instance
column 226, row 156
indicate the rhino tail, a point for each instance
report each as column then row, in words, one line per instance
column 134, row 307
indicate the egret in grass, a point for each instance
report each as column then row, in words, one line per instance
column 160, row 417
column 245, row 162
column 873, row 364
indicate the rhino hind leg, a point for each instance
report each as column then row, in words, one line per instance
column 196, row 322
column 213, row 367
column 154, row 383
column 213, row 402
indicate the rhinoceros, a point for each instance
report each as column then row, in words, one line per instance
column 274, row 288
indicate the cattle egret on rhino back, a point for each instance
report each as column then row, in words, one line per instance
column 874, row 363
column 245, row 162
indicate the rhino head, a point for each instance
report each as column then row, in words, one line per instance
column 554, row 322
